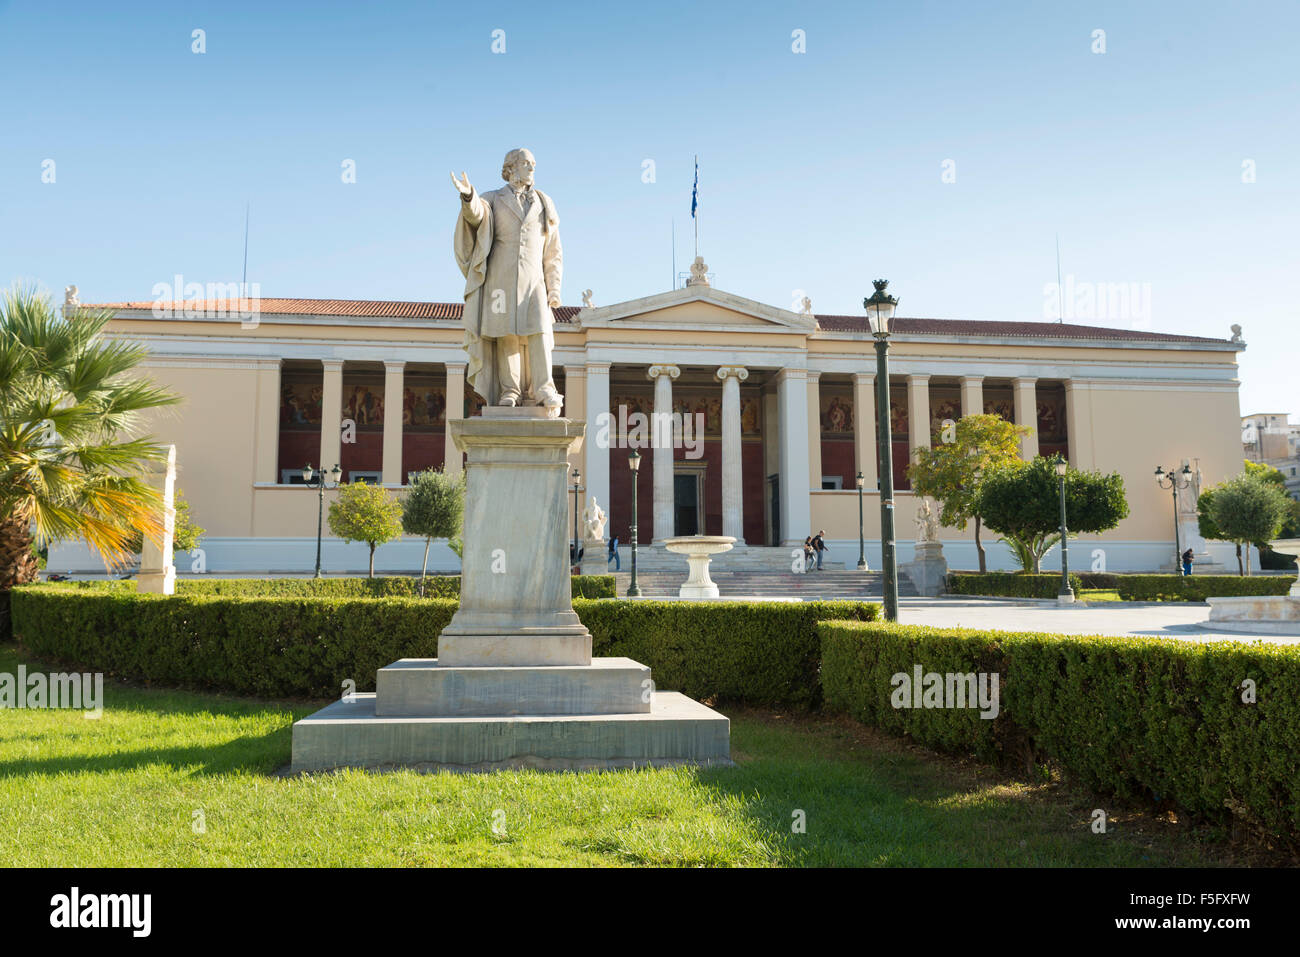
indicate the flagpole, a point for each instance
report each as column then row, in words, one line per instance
column 694, row 214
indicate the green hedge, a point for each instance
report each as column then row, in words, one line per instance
column 1130, row 587
column 1009, row 584
column 764, row 653
column 392, row 586
column 1134, row 716
column 1187, row 588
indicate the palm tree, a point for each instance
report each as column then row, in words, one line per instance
column 71, row 465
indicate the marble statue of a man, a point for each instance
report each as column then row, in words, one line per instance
column 507, row 245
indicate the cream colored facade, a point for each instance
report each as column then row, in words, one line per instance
column 788, row 402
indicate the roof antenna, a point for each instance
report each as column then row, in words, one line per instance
column 1060, row 294
column 243, row 286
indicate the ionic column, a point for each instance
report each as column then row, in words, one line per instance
column 918, row 414
column 575, row 407
column 733, row 499
column 394, row 386
column 864, row 429
column 792, row 416
column 972, row 395
column 266, row 466
column 331, row 414
column 814, row 431
column 1026, row 405
column 600, row 434
column 661, row 439
column 451, row 456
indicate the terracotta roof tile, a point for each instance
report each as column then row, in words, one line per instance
column 984, row 327
column 386, row 309
column 361, row 308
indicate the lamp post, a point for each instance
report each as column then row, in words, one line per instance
column 321, row 485
column 1066, row 595
column 862, row 542
column 880, row 308
column 633, row 463
column 1176, row 482
column 574, row 556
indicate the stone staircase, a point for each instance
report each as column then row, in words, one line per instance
column 810, row 586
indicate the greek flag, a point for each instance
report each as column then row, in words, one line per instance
column 695, row 190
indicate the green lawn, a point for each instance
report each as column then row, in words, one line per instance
column 124, row 790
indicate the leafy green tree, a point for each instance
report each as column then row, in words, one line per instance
column 72, row 461
column 1290, row 527
column 1248, row 510
column 366, row 513
column 434, row 508
column 950, row 472
column 1021, row 500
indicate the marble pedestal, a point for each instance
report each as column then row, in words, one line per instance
column 514, row 683
column 595, row 557
column 928, row 571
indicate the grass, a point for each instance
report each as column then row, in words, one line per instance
column 131, row 788
column 1099, row 594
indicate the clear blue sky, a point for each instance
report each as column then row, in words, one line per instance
column 818, row 171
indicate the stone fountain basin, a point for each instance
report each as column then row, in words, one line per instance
column 699, row 551
column 1261, row 614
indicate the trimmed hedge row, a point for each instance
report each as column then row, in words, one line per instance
column 1130, row 587
column 1134, row 716
column 390, row 586
column 1009, row 584
column 764, row 653
column 1187, row 588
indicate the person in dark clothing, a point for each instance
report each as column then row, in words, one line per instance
column 1187, row 562
column 807, row 553
column 613, row 554
column 819, row 546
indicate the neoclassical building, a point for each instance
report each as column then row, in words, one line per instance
column 776, row 413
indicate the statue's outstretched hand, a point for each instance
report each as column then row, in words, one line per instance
column 462, row 185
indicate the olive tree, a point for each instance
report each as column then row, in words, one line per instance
column 434, row 508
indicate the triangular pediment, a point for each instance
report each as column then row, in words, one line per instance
column 696, row 307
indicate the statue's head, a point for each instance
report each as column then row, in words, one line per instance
column 517, row 168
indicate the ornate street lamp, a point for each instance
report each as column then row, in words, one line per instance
column 633, row 463
column 575, row 556
column 321, row 485
column 880, row 308
column 862, row 542
column 1176, row 482
column 1066, row 595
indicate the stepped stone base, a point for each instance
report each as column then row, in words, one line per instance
column 675, row 731
column 425, row 687
column 514, row 685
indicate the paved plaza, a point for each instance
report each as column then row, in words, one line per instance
column 1155, row 619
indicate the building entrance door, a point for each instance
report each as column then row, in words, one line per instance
column 686, row 504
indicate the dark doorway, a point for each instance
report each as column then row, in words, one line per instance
column 686, row 504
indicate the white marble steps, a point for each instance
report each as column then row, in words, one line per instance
column 826, row 584
column 415, row 687
column 675, row 731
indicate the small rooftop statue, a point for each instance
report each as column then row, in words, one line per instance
column 586, row 300
column 1236, row 333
